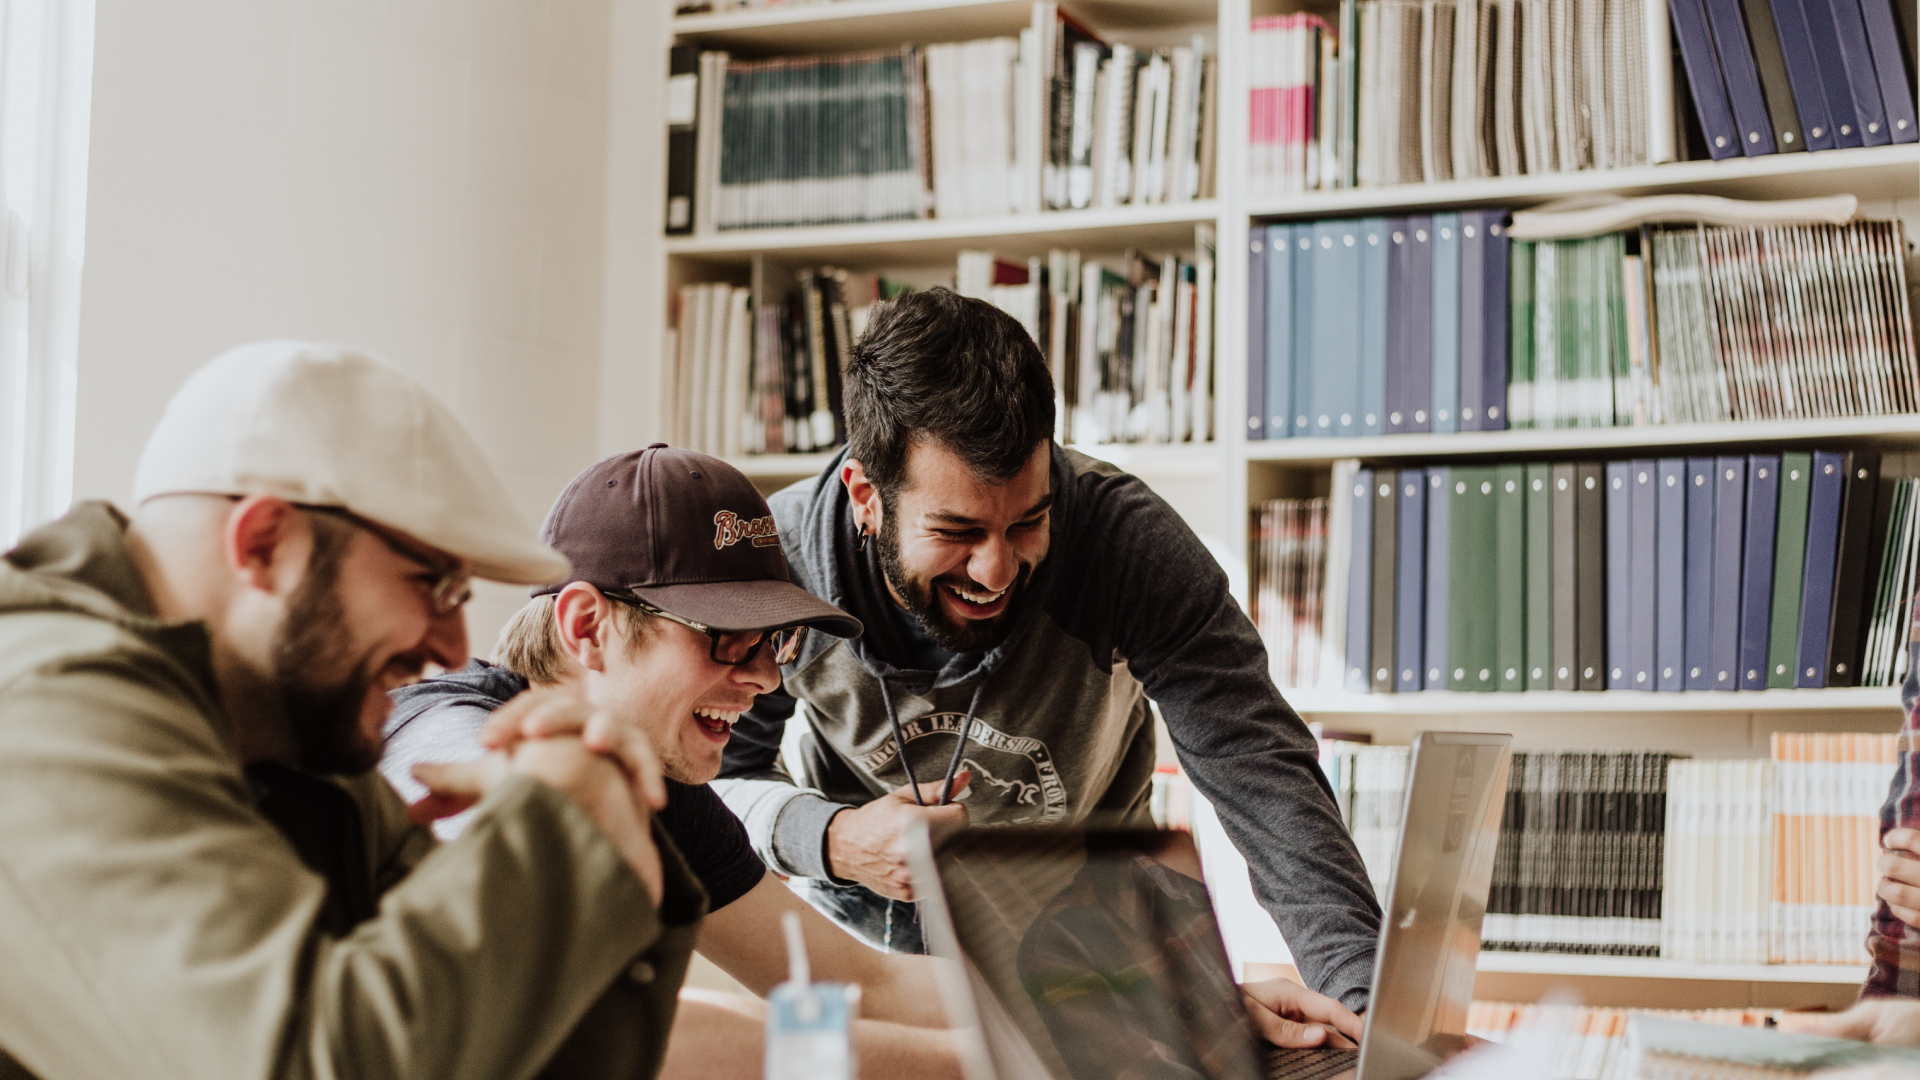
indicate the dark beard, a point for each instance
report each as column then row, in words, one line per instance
column 323, row 719
column 970, row 636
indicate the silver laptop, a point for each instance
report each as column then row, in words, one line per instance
column 1088, row 953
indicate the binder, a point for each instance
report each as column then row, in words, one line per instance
column 1257, row 358
column 1473, row 320
column 1282, row 379
column 1360, row 584
column 1416, row 323
column 1803, row 73
column 1590, row 574
column 1774, row 82
column 1701, row 538
column 1410, row 601
column 1862, row 81
column 1386, row 566
column 1471, row 643
column 1756, row 571
column 1510, row 578
column 1493, row 358
column 1789, row 559
column 1307, row 367
column 1823, row 550
column 1565, row 614
column 1729, row 522
column 1741, row 77
column 1375, row 250
column 1439, row 571
column 1336, row 328
column 1835, row 87
column 683, row 136
column 1539, row 570
column 1670, row 601
column 1710, row 101
column 1857, row 559
column 1444, row 349
column 1896, row 82
column 1617, row 497
column 1640, row 644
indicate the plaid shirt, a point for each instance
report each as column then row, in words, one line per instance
column 1894, row 945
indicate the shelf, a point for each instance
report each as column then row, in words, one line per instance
column 1167, row 225
column 1535, row 441
column 775, row 466
column 1562, row 702
column 1637, row 967
column 1191, row 459
column 1876, row 172
column 866, row 24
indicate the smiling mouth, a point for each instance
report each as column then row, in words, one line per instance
column 976, row 604
column 717, row 723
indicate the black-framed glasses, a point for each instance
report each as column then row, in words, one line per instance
column 450, row 585
column 729, row 647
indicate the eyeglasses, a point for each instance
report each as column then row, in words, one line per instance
column 450, row 585
column 730, row 647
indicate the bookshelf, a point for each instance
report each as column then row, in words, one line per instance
column 1215, row 485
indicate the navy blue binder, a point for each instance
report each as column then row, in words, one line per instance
column 1409, row 609
column 1670, row 559
column 1834, row 84
column 1857, row 559
column 1645, row 483
column 1803, row 73
column 1619, row 498
column 1741, row 77
column 1896, row 87
column 1374, row 257
column 1703, row 78
column 1307, row 367
column 1282, row 377
column 1862, row 80
column 1756, row 574
column 1336, row 327
column 1823, row 556
column 1439, row 571
column 1446, row 354
column 1360, row 582
column 1256, row 335
column 1701, row 503
column 1729, row 530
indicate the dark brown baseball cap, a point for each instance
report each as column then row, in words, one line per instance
column 687, row 533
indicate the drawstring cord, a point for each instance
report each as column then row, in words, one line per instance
column 959, row 748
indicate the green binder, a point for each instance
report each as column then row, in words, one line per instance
column 1510, row 577
column 1471, row 641
column 1539, row 575
column 1520, row 408
column 1789, row 561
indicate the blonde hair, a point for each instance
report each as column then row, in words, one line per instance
column 529, row 644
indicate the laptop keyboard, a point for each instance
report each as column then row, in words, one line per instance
column 1308, row 1063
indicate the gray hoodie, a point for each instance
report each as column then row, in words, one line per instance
column 1127, row 606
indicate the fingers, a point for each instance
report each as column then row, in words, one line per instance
column 535, row 714
column 453, row 786
column 960, row 781
column 1907, row 840
column 630, row 748
column 434, row 807
column 1286, row 998
column 1281, row 1031
column 1898, row 866
column 1908, row 915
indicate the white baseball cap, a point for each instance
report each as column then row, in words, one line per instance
column 328, row 425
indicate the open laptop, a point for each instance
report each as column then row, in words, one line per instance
column 1090, row 954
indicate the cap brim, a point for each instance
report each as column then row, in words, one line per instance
column 763, row 604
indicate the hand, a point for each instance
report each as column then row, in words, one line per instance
column 1879, row 1020
column 1288, row 1014
column 1899, row 869
column 864, row 844
column 547, row 713
column 597, row 782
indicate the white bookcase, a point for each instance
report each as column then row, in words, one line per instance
column 1214, row 485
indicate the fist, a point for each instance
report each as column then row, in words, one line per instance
column 864, row 844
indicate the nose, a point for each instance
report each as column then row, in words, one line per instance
column 761, row 673
column 993, row 563
column 446, row 641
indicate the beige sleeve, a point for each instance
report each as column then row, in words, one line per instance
column 152, row 924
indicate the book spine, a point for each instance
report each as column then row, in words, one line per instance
column 1386, row 530
column 1510, row 578
column 1857, row 560
column 1824, row 508
column 1439, row 571
column 1643, row 587
column 1618, row 497
column 1258, row 360
column 1409, row 614
column 1565, row 595
column 1729, row 521
column 1590, row 571
column 1359, row 649
column 1539, row 571
column 1756, row 572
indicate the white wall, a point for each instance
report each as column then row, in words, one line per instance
column 422, row 177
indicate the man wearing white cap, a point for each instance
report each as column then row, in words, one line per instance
column 200, row 874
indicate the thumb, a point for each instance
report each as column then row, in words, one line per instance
column 931, row 790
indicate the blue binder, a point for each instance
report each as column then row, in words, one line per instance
column 1409, row 616
column 1360, row 583
column 1823, row 556
column 1336, row 327
column 1803, row 73
column 1729, row 524
column 1701, row 503
column 1640, row 645
column 1257, row 361
column 1756, row 574
column 1445, row 347
column 1399, row 240
column 1416, row 323
column 1307, row 367
column 1618, row 576
column 1741, row 76
column 1283, row 378
column 1375, row 248
column 1834, row 83
column 1862, row 80
column 1486, row 366
column 1710, row 102
column 1670, row 557
column 1439, row 526
column 1896, row 86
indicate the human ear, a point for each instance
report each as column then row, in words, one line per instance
column 582, row 616
column 267, row 542
column 864, row 496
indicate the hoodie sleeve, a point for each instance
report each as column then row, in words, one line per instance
column 1146, row 589
column 786, row 822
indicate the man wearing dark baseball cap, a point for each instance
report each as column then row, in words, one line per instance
column 676, row 615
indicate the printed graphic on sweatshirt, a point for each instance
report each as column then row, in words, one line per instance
column 1014, row 778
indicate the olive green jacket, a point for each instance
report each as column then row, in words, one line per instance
column 153, row 923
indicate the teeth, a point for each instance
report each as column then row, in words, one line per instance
column 978, row 598
column 727, row 718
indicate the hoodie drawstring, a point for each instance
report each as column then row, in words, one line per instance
column 959, row 748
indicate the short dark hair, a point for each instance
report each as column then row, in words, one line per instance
column 952, row 370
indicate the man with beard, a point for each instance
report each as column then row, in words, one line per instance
column 201, row 875
column 1021, row 602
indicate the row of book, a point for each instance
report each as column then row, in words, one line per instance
column 1443, row 323
column 1592, row 1040
column 1729, row 573
column 1370, row 788
column 1055, row 119
column 1289, row 561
